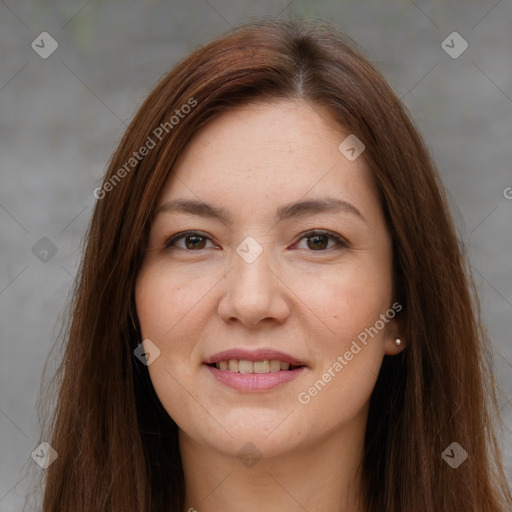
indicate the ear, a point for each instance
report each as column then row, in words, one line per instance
column 391, row 348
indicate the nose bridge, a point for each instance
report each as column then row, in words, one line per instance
column 253, row 291
column 252, row 275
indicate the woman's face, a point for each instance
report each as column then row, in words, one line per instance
column 259, row 285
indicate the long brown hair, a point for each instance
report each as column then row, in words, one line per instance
column 117, row 446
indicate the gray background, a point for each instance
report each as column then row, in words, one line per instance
column 62, row 117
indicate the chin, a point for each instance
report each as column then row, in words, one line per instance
column 265, row 438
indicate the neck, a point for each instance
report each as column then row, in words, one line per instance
column 323, row 476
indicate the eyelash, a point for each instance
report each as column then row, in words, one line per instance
column 340, row 242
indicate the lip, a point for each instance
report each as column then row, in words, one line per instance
column 254, row 381
column 253, row 355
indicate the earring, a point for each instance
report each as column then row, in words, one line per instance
column 398, row 342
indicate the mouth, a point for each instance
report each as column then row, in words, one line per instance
column 246, row 366
column 253, row 361
column 252, row 371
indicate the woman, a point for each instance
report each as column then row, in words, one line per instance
column 272, row 311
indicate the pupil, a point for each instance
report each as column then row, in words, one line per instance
column 196, row 240
column 316, row 239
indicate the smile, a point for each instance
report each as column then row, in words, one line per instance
column 254, row 370
column 247, row 379
column 245, row 366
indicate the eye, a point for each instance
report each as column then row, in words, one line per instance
column 193, row 240
column 319, row 240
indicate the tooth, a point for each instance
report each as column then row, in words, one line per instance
column 245, row 366
column 262, row 366
column 275, row 365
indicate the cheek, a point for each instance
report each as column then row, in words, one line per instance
column 348, row 304
column 164, row 299
column 343, row 302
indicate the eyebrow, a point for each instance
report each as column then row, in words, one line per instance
column 285, row 212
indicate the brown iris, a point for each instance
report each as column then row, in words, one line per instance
column 317, row 241
column 195, row 242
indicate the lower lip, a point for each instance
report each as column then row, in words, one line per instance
column 254, row 381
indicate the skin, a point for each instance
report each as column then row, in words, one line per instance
column 306, row 301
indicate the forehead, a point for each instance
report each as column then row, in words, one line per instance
column 276, row 131
column 267, row 154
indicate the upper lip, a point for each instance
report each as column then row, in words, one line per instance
column 253, row 355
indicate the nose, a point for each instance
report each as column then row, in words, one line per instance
column 254, row 293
